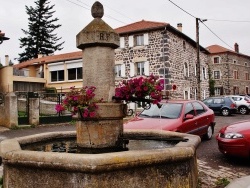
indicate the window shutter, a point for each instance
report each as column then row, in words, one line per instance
column 122, row 42
column 184, row 70
column 132, row 69
column 146, row 42
column 195, row 69
column 205, row 73
column 123, row 70
column 146, row 66
column 131, row 41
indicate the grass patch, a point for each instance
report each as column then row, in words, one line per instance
column 222, row 182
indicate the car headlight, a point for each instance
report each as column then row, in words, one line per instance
column 233, row 135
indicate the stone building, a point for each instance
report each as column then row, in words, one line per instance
column 158, row 48
column 230, row 70
column 146, row 48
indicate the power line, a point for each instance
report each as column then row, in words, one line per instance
column 181, row 9
column 216, row 35
column 201, row 22
column 237, row 21
column 106, row 15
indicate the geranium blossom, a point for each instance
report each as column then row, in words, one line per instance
column 141, row 87
column 80, row 100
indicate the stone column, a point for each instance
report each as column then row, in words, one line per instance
column 98, row 41
column 34, row 111
column 8, row 111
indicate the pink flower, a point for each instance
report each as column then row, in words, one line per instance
column 59, row 108
column 91, row 114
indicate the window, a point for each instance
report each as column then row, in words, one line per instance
column 236, row 75
column 236, row 90
column 246, row 64
column 198, row 108
column 217, row 75
column 118, row 70
column 189, row 109
column 57, row 76
column 216, row 60
column 139, row 40
column 247, row 76
column 204, row 73
column 217, row 91
column 234, row 61
column 140, row 68
column 186, row 70
column 219, row 101
column 75, row 73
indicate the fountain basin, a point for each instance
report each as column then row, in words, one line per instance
column 167, row 167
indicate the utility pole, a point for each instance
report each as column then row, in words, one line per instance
column 198, row 65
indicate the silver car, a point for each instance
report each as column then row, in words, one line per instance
column 242, row 103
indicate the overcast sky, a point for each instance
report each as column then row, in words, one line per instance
column 228, row 21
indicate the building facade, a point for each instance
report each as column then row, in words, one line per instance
column 145, row 48
column 230, row 70
column 160, row 49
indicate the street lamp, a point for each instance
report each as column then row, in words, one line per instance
column 2, row 37
column 198, row 57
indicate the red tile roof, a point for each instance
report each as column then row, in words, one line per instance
column 218, row 49
column 139, row 26
column 51, row 59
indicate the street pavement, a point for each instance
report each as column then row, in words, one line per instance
column 208, row 176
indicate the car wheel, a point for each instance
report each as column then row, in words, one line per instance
column 243, row 110
column 209, row 133
column 225, row 112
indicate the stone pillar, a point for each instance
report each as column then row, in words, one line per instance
column 34, row 111
column 98, row 41
column 8, row 111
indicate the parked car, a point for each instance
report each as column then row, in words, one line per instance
column 234, row 139
column 242, row 103
column 185, row 116
column 223, row 105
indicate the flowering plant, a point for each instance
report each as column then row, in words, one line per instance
column 141, row 87
column 80, row 100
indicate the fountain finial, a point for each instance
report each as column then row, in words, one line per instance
column 97, row 10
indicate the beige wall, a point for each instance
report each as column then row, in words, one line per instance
column 6, row 79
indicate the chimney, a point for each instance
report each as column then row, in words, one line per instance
column 39, row 55
column 179, row 27
column 236, row 48
column 6, row 60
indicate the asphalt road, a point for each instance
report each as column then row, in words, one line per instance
column 208, row 150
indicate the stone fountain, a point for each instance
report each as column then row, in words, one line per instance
column 143, row 167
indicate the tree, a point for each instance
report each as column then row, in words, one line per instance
column 40, row 38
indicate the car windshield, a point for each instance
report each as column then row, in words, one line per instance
column 168, row 110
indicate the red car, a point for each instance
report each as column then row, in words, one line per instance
column 234, row 139
column 185, row 116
